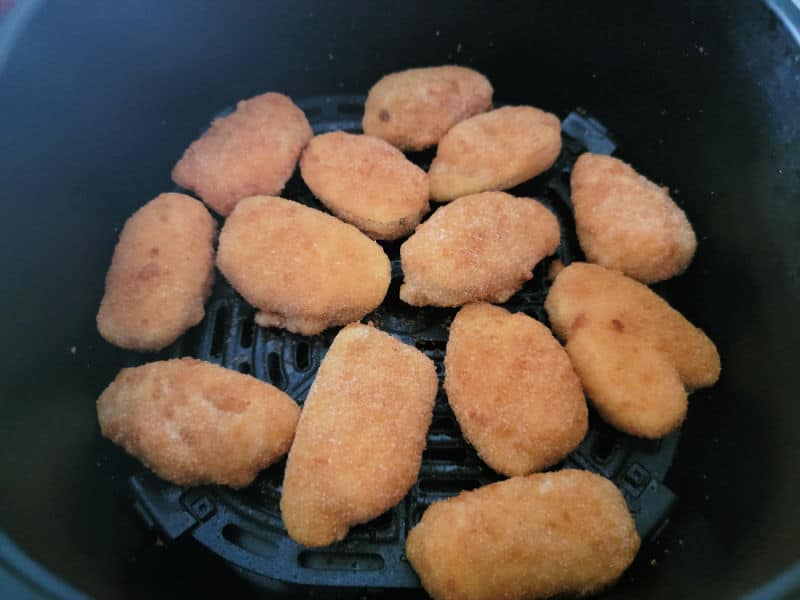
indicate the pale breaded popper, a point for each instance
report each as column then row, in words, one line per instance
column 513, row 390
column 303, row 269
column 413, row 109
column 360, row 438
column 161, row 274
column 635, row 355
column 494, row 151
column 252, row 151
column 563, row 533
column 626, row 222
column 196, row 423
column 367, row 182
column 481, row 247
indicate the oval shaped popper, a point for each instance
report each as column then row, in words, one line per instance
column 360, row 438
column 567, row 533
column 413, row 109
column 635, row 355
column 303, row 269
column 626, row 222
column 512, row 389
column 196, row 423
column 478, row 248
column 494, row 151
column 252, row 151
column 161, row 274
column 367, row 182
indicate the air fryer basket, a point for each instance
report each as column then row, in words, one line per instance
column 98, row 100
column 245, row 527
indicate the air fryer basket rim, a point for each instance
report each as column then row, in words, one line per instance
column 763, row 65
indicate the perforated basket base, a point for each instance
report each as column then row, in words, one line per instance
column 244, row 527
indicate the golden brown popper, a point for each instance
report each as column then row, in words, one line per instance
column 160, row 275
column 303, row 269
column 479, row 248
column 494, row 151
column 413, row 109
column 626, row 222
column 513, row 390
column 636, row 356
column 367, row 182
column 252, row 151
column 196, row 423
column 360, row 438
column 566, row 533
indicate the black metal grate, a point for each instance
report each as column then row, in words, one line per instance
column 244, row 527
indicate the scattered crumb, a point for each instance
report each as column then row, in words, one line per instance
column 555, row 268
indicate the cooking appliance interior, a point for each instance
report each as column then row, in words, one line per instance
column 98, row 100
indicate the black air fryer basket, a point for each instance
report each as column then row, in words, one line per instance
column 96, row 104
